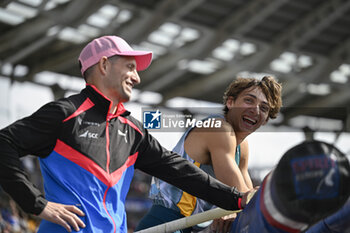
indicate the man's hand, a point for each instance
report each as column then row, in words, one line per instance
column 248, row 195
column 223, row 224
column 64, row 215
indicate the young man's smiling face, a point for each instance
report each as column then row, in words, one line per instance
column 248, row 111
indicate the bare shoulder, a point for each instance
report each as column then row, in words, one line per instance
column 215, row 125
column 201, row 141
column 221, row 133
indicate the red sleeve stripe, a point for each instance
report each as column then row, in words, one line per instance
column 87, row 104
column 126, row 121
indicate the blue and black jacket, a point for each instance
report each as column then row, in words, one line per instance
column 88, row 157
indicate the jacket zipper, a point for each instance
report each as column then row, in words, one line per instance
column 107, row 169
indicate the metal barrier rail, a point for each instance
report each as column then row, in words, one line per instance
column 188, row 221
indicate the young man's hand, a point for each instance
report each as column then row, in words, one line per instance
column 248, row 195
column 223, row 224
column 64, row 215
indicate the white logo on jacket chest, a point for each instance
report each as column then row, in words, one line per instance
column 123, row 134
column 88, row 134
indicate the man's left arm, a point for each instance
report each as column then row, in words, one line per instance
column 243, row 164
column 172, row 168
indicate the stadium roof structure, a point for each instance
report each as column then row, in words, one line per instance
column 200, row 46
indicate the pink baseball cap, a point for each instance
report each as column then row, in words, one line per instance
column 109, row 46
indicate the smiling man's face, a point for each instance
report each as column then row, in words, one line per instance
column 121, row 78
column 248, row 111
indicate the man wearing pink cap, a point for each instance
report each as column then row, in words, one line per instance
column 89, row 145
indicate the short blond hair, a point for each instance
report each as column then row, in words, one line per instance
column 269, row 86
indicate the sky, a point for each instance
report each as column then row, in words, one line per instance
column 265, row 146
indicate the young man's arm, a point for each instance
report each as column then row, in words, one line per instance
column 238, row 174
column 243, row 164
column 217, row 146
column 172, row 168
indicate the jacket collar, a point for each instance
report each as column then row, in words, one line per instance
column 103, row 103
